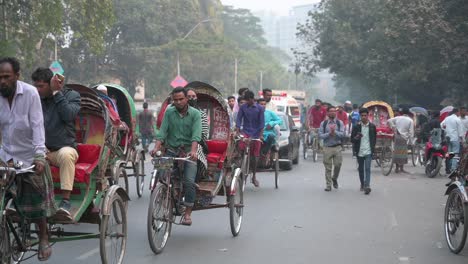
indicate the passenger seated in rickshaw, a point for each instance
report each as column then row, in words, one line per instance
column 112, row 108
column 181, row 129
column 60, row 108
column 270, row 132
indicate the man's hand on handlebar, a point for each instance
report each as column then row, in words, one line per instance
column 193, row 155
column 39, row 167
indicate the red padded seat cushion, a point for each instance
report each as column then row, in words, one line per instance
column 216, row 151
column 88, row 153
column 217, row 146
column 87, row 161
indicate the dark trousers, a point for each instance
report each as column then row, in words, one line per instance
column 365, row 170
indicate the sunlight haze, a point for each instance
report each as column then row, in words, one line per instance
column 280, row 7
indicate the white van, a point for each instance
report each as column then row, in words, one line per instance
column 289, row 106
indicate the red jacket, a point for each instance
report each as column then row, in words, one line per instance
column 316, row 116
column 343, row 116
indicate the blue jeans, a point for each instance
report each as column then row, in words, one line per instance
column 454, row 147
column 190, row 174
column 365, row 170
column 146, row 139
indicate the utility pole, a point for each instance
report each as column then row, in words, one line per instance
column 55, row 51
column 4, row 19
column 236, row 62
column 178, row 64
column 261, row 80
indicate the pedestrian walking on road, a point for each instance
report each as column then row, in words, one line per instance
column 146, row 124
column 364, row 137
column 403, row 126
column 332, row 132
column 455, row 131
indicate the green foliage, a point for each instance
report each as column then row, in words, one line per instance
column 33, row 26
column 139, row 40
column 415, row 50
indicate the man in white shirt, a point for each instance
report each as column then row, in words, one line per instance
column 267, row 95
column 464, row 120
column 404, row 134
column 453, row 127
column 22, row 128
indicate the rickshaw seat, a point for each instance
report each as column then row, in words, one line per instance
column 88, row 159
column 217, row 150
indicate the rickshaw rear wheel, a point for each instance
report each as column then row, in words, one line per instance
column 122, row 179
column 413, row 155
column 139, row 172
column 386, row 160
column 159, row 219
column 113, row 237
column 277, row 169
column 236, row 209
column 455, row 218
column 5, row 243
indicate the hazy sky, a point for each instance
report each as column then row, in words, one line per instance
column 281, row 7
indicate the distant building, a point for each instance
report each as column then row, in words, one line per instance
column 280, row 31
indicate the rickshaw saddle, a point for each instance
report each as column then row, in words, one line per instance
column 88, row 160
column 216, row 152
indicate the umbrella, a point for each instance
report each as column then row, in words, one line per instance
column 447, row 109
column 445, row 112
column 419, row 110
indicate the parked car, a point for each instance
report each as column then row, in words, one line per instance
column 289, row 142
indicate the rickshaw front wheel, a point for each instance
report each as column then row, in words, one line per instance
column 5, row 243
column 113, row 232
column 159, row 219
column 455, row 221
column 236, row 206
column 139, row 172
column 277, row 168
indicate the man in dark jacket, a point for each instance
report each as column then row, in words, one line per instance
column 364, row 137
column 60, row 107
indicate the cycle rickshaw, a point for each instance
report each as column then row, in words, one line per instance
column 222, row 177
column 456, row 207
column 93, row 200
column 420, row 117
column 127, row 153
column 379, row 113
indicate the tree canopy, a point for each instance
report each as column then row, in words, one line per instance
column 405, row 51
column 138, row 41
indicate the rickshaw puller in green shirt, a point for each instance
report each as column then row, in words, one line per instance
column 181, row 128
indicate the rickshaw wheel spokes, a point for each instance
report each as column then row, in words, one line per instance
column 454, row 221
column 159, row 218
column 113, row 238
column 277, row 168
column 236, row 209
column 5, row 243
column 139, row 172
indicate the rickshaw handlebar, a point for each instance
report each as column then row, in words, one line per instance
column 17, row 171
column 155, row 159
column 238, row 138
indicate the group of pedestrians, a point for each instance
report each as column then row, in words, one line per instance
column 333, row 126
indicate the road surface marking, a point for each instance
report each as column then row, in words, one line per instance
column 404, row 260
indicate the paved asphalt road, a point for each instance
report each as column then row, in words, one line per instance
column 400, row 222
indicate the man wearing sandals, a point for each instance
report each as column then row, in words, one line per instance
column 22, row 128
column 60, row 108
column 250, row 123
column 181, row 129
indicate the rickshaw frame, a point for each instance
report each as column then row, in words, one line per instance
column 227, row 180
column 132, row 156
column 97, row 205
